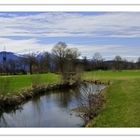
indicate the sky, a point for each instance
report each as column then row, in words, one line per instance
column 109, row 33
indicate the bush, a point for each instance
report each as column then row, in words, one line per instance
column 90, row 103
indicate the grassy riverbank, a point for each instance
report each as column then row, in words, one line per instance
column 12, row 84
column 122, row 108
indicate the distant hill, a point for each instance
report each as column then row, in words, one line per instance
column 9, row 56
column 109, row 61
column 13, row 56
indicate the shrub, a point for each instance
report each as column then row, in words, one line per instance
column 90, row 103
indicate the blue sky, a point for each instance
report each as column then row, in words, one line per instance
column 110, row 33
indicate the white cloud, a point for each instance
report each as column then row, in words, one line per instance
column 24, row 46
column 33, row 45
column 109, row 51
column 57, row 24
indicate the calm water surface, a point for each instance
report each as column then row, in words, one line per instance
column 54, row 109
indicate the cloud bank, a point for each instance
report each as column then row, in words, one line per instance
column 23, row 32
column 57, row 24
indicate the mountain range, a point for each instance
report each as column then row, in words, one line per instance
column 9, row 55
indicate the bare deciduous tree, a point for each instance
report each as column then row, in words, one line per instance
column 30, row 60
column 59, row 51
column 118, row 63
column 97, row 57
column 66, row 60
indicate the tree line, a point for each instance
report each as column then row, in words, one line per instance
column 63, row 59
column 117, row 64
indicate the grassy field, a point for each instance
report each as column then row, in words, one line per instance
column 122, row 108
column 12, row 84
column 112, row 75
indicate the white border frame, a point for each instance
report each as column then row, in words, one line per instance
column 97, row 2
column 69, row 8
column 70, row 131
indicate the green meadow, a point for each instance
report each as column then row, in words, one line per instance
column 12, row 84
column 122, row 107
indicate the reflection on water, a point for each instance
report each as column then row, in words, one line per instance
column 50, row 110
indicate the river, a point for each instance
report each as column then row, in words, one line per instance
column 53, row 109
